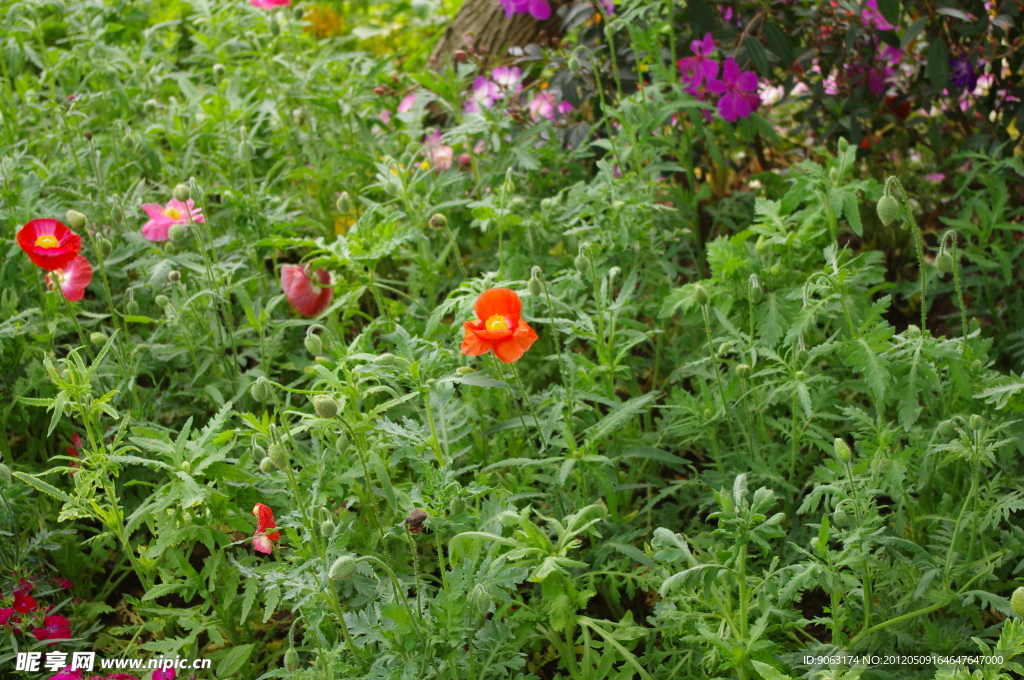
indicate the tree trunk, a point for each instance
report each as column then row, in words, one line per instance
column 482, row 29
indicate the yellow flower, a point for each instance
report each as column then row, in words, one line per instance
column 323, row 22
column 342, row 224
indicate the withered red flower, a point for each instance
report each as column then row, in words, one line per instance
column 306, row 295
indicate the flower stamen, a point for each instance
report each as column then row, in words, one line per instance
column 47, row 241
column 497, row 322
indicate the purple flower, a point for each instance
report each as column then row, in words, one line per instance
column 538, row 9
column 737, row 88
column 508, row 79
column 694, row 70
column 935, row 177
column 962, row 74
column 484, row 94
column 873, row 18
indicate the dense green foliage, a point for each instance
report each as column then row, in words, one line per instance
column 758, row 421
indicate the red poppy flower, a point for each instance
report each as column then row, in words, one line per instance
column 49, row 244
column 304, row 294
column 498, row 327
column 24, row 603
column 261, row 540
column 72, row 279
column 54, row 628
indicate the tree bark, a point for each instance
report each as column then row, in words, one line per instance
column 490, row 32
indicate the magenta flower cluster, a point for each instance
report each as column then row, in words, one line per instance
column 504, row 83
column 736, row 89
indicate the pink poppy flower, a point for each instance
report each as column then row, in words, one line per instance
column 385, row 116
column 538, row 9
column 543, row 106
column 508, row 79
column 162, row 217
column 54, row 628
column 72, row 279
column 408, row 101
column 308, row 297
column 261, row 540
column 269, row 4
column 441, row 155
column 738, row 91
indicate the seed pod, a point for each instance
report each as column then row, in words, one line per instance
column 839, row 516
column 742, row 371
column 182, row 192
column 174, row 276
column 76, row 220
column 842, row 450
column 267, row 466
column 326, row 528
column 700, row 295
column 1017, row 602
column 186, row 467
column 438, row 221
column 291, row 660
column 162, row 300
column 314, row 345
column 944, row 262
column 888, row 209
column 343, row 568
column 977, row 423
column 260, row 390
column 278, row 455
column 98, row 338
column 325, row 406
column 5, row 475
column 414, row 520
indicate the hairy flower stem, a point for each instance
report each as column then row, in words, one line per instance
column 78, row 327
column 956, row 284
column 414, row 551
column 455, row 249
column 529, row 406
column 918, row 243
column 602, row 348
column 718, row 376
column 975, row 468
column 566, row 381
column 398, row 590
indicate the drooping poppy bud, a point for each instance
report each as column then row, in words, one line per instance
column 325, row 406
column 343, row 568
column 888, row 209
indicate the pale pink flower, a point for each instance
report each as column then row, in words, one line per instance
column 484, row 94
column 385, row 116
column 441, row 155
column 161, row 217
column 408, row 101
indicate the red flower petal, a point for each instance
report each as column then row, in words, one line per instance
column 67, row 247
column 301, row 291
column 501, row 301
column 473, row 345
column 515, row 347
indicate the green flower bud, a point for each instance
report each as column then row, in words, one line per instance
column 762, row 246
column 708, row 414
column 976, row 423
column 76, row 220
column 174, row 276
column 480, row 598
column 508, row 186
column 800, row 375
column 267, row 466
column 104, row 246
column 385, row 359
column 291, row 660
column 535, row 287
column 275, row 28
column 182, row 192
column 1017, row 602
column 842, row 451
column 465, row 370
column 617, row 206
column 278, row 455
column 438, row 221
column 177, row 233
column 343, row 568
column 258, row 452
column 700, row 295
column 131, row 308
column 218, row 72
column 457, row 506
column 186, row 467
column 325, row 406
column 546, row 204
column 776, row 269
column 344, row 203
column 161, row 300
column 326, row 528
column 314, row 345
column 341, row 443
column 260, row 390
column 913, row 331
column 5, row 475
column 888, row 209
column 944, row 262
column 574, row 64
column 150, row 105
column 581, row 263
column 743, row 371
column 839, row 517
column 755, row 289
column 98, row 338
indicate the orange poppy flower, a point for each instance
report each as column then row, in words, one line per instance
column 498, row 327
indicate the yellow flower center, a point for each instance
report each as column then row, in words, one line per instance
column 173, row 213
column 497, row 323
column 47, row 241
